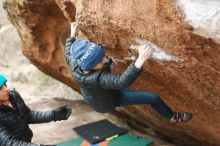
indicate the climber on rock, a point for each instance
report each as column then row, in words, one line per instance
column 104, row 90
column 15, row 117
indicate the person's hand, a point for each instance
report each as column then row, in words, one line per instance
column 144, row 52
column 62, row 113
column 74, row 29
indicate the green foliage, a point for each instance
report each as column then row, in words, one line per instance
column 39, row 77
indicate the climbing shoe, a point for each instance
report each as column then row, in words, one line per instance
column 179, row 117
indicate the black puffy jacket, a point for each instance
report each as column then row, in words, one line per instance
column 14, row 129
column 100, row 88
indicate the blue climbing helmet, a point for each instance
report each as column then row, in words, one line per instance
column 3, row 80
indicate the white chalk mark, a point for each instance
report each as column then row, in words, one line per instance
column 158, row 53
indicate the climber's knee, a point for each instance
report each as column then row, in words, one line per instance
column 154, row 97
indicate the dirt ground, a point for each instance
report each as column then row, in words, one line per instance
column 41, row 92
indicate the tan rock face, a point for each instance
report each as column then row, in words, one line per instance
column 190, row 85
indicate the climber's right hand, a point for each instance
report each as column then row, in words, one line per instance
column 144, row 52
column 74, row 29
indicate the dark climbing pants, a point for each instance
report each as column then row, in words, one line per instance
column 128, row 97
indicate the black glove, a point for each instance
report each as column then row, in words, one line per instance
column 46, row 145
column 62, row 113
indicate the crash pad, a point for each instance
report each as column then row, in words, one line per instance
column 81, row 142
column 129, row 140
column 72, row 142
column 98, row 131
column 123, row 140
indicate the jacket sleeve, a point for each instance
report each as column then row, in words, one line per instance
column 68, row 58
column 109, row 80
column 37, row 117
column 6, row 139
column 24, row 111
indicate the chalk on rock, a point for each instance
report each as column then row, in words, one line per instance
column 158, row 53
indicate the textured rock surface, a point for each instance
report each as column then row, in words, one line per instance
column 191, row 85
